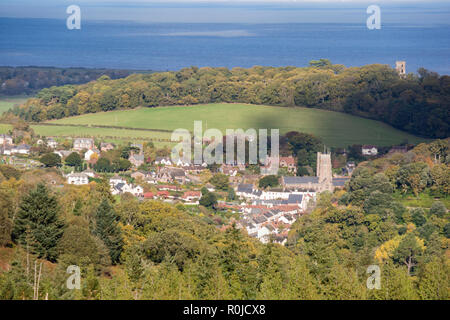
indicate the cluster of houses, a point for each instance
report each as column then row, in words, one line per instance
column 8, row 148
column 268, row 214
column 188, row 197
column 265, row 214
column 119, row 186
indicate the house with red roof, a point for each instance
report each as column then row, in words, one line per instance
column 162, row 194
column 149, row 195
column 192, row 197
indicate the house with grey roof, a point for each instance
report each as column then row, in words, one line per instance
column 340, row 182
column 136, row 159
column 83, row 144
column 77, row 179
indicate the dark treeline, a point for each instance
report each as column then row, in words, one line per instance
column 29, row 80
column 418, row 104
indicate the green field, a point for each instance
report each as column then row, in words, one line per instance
column 108, row 135
column 334, row 128
column 7, row 103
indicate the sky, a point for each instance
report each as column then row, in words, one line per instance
column 233, row 11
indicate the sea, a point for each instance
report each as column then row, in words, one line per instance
column 418, row 35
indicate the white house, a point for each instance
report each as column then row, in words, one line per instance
column 264, row 233
column 120, row 188
column 135, row 190
column 90, row 153
column 164, row 161
column 192, row 197
column 22, row 149
column 116, row 180
column 51, row 143
column 247, row 191
column 369, row 150
column 210, row 187
column 77, row 179
column 180, row 163
column 151, row 180
column 6, row 150
column 83, row 143
column 229, row 170
column 251, row 227
column 274, row 195
column 5, row 139
column 89, row 173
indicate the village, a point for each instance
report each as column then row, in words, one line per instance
column 266, row 213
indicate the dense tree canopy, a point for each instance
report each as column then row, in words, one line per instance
column 28, row 80
column 51, row 160
column 417, row 104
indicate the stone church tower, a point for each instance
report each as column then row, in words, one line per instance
column 324, row 172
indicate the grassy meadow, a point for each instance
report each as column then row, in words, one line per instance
column 334, row 128
column 7, row 103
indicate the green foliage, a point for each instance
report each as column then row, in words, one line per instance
column 119, row 164
column 175, row 245
column 10, row 172
column 6, row 212
column 434, row 278
column 304, row 147
column 438, row 209
column 320, row 63
column 208, row 200
column 107, row 229
column 73, row 160
column 268, row 181
column 103, row 165
column 51, row 160
column 78, row 247
column 77, row 207
column 27, row 80
column 38, row 224
column 231, row 194
column 302, row 171
column 447, row 230
column 413, row 177
column 122, row 165
column 395, row 285
column 363, row 183
column 408, row 252
column 133, row 264
column 418, row 217
column 220, row 181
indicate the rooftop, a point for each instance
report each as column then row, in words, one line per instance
column 300, row 180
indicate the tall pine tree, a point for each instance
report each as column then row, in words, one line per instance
column 6, row 210
column 107, row 229
column 38, row 220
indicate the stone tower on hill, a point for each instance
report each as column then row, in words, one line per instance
column 400, row 66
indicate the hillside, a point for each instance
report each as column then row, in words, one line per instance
column 416, row 104
column 334, row 128
column 7, row 103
